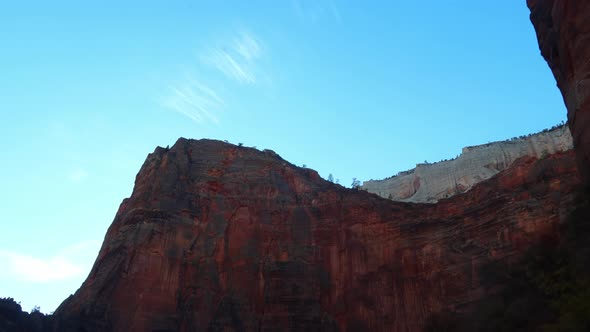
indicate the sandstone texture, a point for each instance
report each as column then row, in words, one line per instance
column 563, row 32
column 428, row 183
column 217, row 237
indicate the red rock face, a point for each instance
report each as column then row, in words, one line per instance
column 563, row 31
column 218, row 237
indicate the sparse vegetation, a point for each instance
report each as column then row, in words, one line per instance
column 12, row 318
column 331, row 178
column 516, row 138
column 356, row 184
column 560, row 125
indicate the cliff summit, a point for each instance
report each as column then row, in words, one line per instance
column 428, row 183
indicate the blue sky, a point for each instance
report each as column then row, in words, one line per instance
column 362, row 89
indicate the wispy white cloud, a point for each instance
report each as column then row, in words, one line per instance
column 236, row 59
column 78, row 175
column 247, row 46
column 194, row 100
column 71, row 262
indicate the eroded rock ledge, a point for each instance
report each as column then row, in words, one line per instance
column 428, row 183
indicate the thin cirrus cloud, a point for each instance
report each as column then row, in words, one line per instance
column 194, row 100
column 71, row 262
column 234, row 60
column 238, row 59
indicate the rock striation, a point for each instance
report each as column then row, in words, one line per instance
column 217, row 237
column 563, row 32
column 428, row 183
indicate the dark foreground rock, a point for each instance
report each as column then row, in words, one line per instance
column 563, row 32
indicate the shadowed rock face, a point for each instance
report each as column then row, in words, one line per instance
column 218, row 237
column 563, row 31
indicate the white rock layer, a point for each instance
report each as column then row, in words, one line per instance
column 427, row 183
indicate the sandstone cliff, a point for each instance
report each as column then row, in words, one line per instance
column 427, row 183
column 563, row 31
column 218, row 237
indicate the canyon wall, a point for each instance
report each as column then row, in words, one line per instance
column 563, row 32
column 427, row 183
column 217, row 237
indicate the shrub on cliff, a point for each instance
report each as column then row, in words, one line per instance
column 331, row 178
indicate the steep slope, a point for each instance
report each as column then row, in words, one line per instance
column 427, row 183
column 563, row 32
column 219, row 237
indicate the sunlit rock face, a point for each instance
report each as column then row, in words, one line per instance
column 218, row 237
column 563, row 32
column 427, row 183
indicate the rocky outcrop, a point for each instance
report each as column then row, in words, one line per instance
column 427, row 183
column 218, row 237
column 563, row 32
